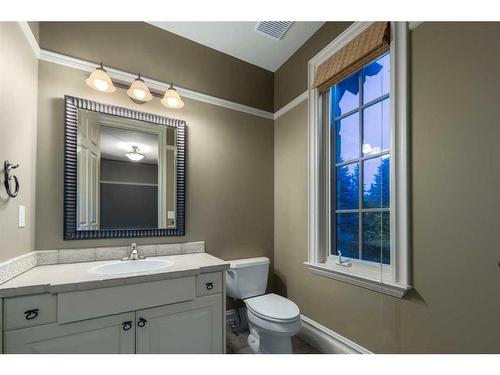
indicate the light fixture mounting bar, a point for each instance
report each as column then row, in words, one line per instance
column 153, row 92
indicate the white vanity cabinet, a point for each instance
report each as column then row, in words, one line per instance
column 113, row 334
column 189, row 327
column 179, row 315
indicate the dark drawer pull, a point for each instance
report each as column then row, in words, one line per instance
column 127, row 325
column 142, row 322
column 209, row 286
column 31, row 314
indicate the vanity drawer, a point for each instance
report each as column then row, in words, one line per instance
column 209, row 283
column 28, row 311
column 86, row 304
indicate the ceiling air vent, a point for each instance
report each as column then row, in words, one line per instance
column 273, row 29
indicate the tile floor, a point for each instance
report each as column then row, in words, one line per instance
column 237, row 344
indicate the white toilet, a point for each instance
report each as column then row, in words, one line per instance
column 272, row 319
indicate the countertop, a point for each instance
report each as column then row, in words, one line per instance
column 58, row 278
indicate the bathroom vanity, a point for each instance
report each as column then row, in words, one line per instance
column 124, row 177
column 66, row 308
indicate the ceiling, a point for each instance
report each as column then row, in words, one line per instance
column 239, row 39
column 116, row 142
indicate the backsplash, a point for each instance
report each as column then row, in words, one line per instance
column 15, row 266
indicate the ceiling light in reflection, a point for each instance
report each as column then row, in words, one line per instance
column 135, row 155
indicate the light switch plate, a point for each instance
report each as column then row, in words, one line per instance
column 21, row 216
column 171, row 215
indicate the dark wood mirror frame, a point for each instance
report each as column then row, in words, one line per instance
column 71, row 107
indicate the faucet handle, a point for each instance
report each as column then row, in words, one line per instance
column 342, row 262
column 134, row 253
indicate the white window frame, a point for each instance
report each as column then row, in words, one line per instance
column 393, row 279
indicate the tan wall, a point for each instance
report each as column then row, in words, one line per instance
column 18, row 95
column 159, row 54
column 454, row 306
column 229, row 170
column 290, row 80
column 35, row 29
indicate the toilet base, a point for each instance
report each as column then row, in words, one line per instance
column 271, row 337
column 269, row 344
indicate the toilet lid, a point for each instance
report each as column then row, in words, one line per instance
column 273, row 306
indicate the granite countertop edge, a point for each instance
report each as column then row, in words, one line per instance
column 115, row 281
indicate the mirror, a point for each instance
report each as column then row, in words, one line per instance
column 129, row 172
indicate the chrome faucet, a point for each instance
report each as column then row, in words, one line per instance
column 134, row 253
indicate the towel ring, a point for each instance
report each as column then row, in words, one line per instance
column 7, row 177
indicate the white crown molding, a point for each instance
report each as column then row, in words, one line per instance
column 125, row 77
column 327, row 341
column 26, row 29
column 412, row 25
column 294, row 103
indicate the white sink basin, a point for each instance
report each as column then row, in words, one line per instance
column 130, row 266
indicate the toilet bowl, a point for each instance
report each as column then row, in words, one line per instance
column 272, row 319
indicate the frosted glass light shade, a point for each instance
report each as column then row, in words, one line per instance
column 135, row 155
column 171, row 99
column 139, row 91
column 99, row 80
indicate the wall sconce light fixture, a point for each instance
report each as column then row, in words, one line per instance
column 99, row 80
column 139, row 92
column 171, row 99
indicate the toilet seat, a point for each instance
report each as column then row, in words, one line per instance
column 273, row 308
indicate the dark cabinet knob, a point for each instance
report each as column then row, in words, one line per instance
column 141, row 322
column 127, row 325
column 31, row 314
column 209, row 286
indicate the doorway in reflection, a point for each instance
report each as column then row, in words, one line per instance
column 129, row 179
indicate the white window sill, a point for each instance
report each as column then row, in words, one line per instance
column 358, row 275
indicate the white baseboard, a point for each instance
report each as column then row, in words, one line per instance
column 326, row 341
column 318, row 336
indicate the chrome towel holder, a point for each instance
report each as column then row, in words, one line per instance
column 7, row 167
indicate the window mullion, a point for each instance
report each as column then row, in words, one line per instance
column 362, row 106
column 363, row 158
column 330, row 148
column 360, row 177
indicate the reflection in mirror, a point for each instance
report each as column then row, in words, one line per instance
column 126, row 173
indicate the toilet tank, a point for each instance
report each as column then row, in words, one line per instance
column 247, row 277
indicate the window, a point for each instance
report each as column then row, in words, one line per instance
column 359, row 163
column 358, row 159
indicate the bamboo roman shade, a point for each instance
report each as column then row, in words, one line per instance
column 372, row 42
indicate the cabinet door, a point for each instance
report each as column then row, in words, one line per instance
column 109, row 335
column 187, row 327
